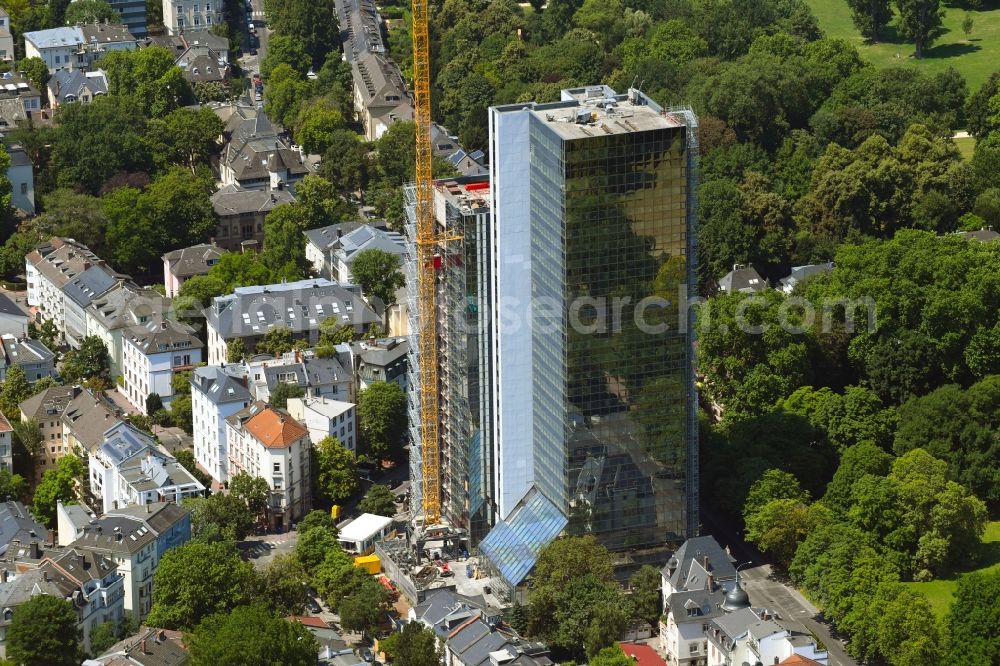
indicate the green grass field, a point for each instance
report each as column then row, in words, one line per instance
column 941, row 592
column 976, row 57
column 966, row 145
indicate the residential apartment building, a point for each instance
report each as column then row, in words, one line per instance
column 319, row 377
column 85, row 421
column 90, row 581
column 34, row 358
column 129, row 468
column 181, row 16
column 13, row 321
column 120, row 308
column 21, row 174
column 152, row 355
column 134, row 537
column 47, row 408
column 6, row 39
column 15, row 86
column 241, row 215
column 6, row 444
column 79, row 293
column 592, row 199
column 216, row 394
column 382, row 360
column 49, row 268
column 181, row 265
column 324, row 418
column 256, row 158
column 74, row 85
column 332, row 250
column 266, row 442
column 77, row 47
column 18, row 528
column 302, row 307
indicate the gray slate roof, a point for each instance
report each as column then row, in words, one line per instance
column 116, row 535
column 16, row 522
column 90, row 284
column 195, row 260
column 9, row 307
column 984, row 235
column 18, row 157
column 234, row 200
column 696, row 605
column 743, row 279
column 158, row 337
column 23, row 352
column 71, row 82
column 325, row 238
column 50, row 403
column 106, row 33
column 366, row 237
column 221, row 385
column 256, row 143
column 690, row 570
column 800, row 273
column 88, row 418
column 124, row 441
column 300, row 306
column 735, row 624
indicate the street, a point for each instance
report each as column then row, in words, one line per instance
column 791, row 608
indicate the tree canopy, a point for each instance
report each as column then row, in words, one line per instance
column 251, row 635
column 43, row 632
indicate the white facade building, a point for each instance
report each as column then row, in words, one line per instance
column 216, row 394
column 359, row 536
column 49, row 267
column 268, row 443
column 130, row 469
column 77, row 47
column 152, row 355
column 323, row 418
column 191, row 15
column 6, row 452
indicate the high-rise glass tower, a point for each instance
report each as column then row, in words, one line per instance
column 592, row 412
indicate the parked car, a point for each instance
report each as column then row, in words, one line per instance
column 251, row 28
column 314, row 607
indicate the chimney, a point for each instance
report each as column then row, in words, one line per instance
column 33, row 551
column 163, row 325
column 704, row 562
column 340, row 232
column 149, row 509
column 3, row 575
column 45, row 575
column 711, row 582
column 52, row 538
column 142, row 646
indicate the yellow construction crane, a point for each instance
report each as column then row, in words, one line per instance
column 427, row 241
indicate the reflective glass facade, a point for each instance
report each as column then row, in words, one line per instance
column 598, row 228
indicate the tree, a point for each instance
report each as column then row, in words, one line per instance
column 184, row 138
column 102, row 637
column 199, row 579
column 35, row 70
column 362, row 609
column 48, row 334
column 780, row 525
column 316, row 125
column 147, row 80
column 313, row 546
column 283, row 391
column 252, row 491
column 336, row 470
column 415, row 645
column 382, row 419
column 611, row 656
column 284, row 251
column 275, row 342
column 319, row 203
column 57, row 484
column 968, row 622
column 346, row 163
column 967, row 24
column 855, row 462
column 313, row 23
column 284, row 50
column 219, row 517
column 870, row 17
column 43, row 632
column 645, row 585
column 12, row 486
column 772, row 485
column 921, row 21
column 378, row 500
column 181, row 414
column 153, row 403
column 186, row 458
column 378, row 273
column 317, row 518
column 89, row 361
column 287, row 92
column 14, row 391
column 81, row 12
column 236, row 351
column 251, row 636
column 283, row 584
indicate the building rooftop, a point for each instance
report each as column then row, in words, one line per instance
column 88, row 418
column 470, row 195
column 234, row 200
column 61, row 259
column 362, row 527
column 599, row 111
column 4, row 424
column 328, row 237
column 367, row 237
column 69, row 82
column 194, row 260
column 26, row 351
column 985, row 235
column 742, row 279
column 687, row 568
column 299, row 306
column 148, row 647
column 221, row 385
column 90, row 284
column 160, row 337
column 102, row 33
column 50, row 403
column 55, row 37
column 9, row 307
column 18, row 156
column 642, row 654
column 124, row 441
column 274, row 428
column 16, row 522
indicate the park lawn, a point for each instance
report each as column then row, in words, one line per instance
column 976, row 58
column 966, row 146
column 940, row 593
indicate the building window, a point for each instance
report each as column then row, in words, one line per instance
column 24, row 188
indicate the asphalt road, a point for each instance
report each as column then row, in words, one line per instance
column 791, row 607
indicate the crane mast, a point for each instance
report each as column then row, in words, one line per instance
column 426, row 243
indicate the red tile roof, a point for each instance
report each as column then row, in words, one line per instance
column 274, row 429
column 4, row 425
column 643, row 654
column 308, row 621
column 800, row 661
